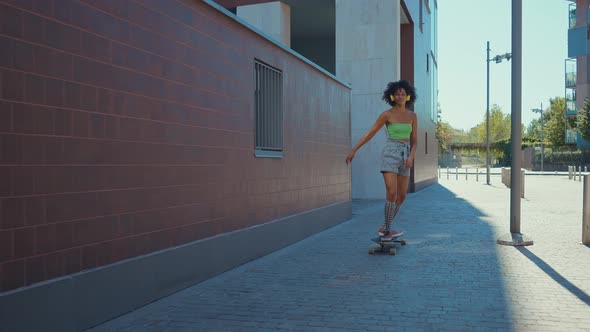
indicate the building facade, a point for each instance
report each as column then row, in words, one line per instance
column 366, row 43
column 149, row 145
column 577, row 66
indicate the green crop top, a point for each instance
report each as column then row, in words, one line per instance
column 399, row 130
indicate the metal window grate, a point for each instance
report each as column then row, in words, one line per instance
column 268, row 99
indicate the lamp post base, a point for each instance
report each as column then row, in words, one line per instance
column 515, row 239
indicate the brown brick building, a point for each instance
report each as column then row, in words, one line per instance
column 129, row 135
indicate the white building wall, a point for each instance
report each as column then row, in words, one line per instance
column 425, row 78
column 273, row 18
column 367, row 57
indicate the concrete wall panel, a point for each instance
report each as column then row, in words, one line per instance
column 367, row 56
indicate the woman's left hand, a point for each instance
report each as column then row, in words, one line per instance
column 409, row 162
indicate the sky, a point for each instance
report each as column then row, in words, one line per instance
column 464, row 26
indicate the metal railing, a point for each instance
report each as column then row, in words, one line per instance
column 268, row 103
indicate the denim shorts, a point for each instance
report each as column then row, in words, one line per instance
column 394, row 154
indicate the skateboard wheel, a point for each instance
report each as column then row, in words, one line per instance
column 392, row 251
column 403, row 242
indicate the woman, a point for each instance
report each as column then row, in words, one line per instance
column 399, row 151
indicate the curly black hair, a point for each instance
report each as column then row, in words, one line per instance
column 392, row 87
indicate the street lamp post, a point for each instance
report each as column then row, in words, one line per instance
column 488, row 114
column 515, row 237
column 497, row 59
column 540, row 110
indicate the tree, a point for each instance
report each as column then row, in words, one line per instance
column 534, row 132
column 583, row 121
column 443, row 135
column 555, row 122
column 460, row 136
column 499, row 126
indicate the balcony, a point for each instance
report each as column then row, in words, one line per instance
column 577, row 43
column 570, row 80
column 572, row 19
column 572, row 15
column 570, row 136
column 577, row 35
column 571, row 73
column 570, row 108
column 571, row 76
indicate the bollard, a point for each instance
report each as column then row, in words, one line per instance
column 580, row 173
column 457, row 173
column 522, row 183
column 476, row 174
column 586, row 211
column 465, row 173
column 585, row 169
column 447, row 172
column 506, row 176
column 569, row 172
column 573, row 173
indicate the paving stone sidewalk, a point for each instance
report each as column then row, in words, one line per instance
column 451, row 276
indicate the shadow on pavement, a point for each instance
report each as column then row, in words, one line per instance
column 448, row 276
column 555, row 275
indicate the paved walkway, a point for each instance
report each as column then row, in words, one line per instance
column 452, row 276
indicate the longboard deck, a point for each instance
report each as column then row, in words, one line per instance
column 389, row 242
column 396, row 239
column 386, row 246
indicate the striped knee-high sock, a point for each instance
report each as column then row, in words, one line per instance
column 390, row 208
column 397, row 206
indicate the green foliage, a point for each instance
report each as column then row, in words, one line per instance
column 569, row 155
column 503, row 150
column 500, row 124
column 555, row 122
column 564, row 157
column 443, row 135
column 554, row 126
column 534, row 131
column 459, row 136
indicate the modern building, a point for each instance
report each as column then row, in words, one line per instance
column 577, row 66
column 366, row 43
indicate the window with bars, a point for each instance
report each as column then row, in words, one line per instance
column 268, row 104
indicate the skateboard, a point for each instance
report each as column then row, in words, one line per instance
column 386, row 246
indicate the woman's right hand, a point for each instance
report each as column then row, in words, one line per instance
column 349, row 157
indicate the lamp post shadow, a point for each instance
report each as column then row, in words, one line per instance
column 579, row 293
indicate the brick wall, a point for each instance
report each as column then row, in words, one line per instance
column 126, row 127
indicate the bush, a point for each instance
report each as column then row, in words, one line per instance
column 575, row 157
